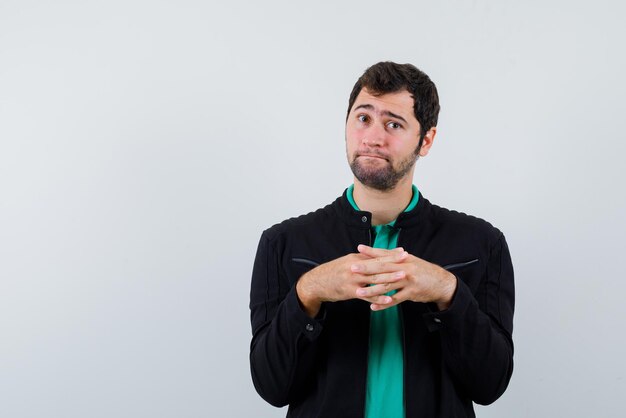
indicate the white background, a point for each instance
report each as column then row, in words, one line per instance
column 145, row 145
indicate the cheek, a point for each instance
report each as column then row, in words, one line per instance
column 396, row 147
column 406, row 145
column 352, row 141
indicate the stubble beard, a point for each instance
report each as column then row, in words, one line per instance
column 385, row 178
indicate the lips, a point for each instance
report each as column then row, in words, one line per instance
column 380, row 157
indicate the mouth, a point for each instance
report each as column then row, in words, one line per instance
column 371, row 156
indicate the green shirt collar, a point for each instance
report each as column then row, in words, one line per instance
column 412, row 203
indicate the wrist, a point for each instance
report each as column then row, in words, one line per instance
column 308, row 301
column 448, row 290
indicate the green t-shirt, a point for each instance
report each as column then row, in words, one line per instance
column 385, row 366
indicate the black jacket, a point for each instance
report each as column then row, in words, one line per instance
column 451, row 358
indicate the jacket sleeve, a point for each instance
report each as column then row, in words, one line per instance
column 476, row 330
column 282, row 351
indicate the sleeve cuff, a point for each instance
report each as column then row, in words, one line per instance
column 299, row 321
column 436, row 320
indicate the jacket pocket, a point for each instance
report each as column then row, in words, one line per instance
column 455, row 266
column 305, row 261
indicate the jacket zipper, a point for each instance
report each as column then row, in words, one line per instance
column 367, row 359
column 401, row 315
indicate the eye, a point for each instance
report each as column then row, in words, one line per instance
column 394, row 125
column 362, row 118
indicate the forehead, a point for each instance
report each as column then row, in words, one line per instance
column 400, row 103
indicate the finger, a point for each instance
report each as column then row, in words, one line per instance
column 391, row 277
column 377, row 290
column 380, row 265
column 392, row 257
column 377, row 252
column 381, row 304
column 381, row 300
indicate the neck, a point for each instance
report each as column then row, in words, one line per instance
column 384, row 206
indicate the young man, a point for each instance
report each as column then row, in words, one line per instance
column 382, row 304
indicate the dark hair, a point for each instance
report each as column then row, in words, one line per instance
column 389, row 77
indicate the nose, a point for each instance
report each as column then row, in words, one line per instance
column 375, row 136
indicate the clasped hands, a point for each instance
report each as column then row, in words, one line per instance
column 372, row 273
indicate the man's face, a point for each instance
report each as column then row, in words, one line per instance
column 382, row 135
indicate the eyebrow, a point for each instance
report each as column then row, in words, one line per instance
column 385, row 112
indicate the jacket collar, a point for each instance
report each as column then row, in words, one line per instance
column 362, row 219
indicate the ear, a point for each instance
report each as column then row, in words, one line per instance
column 428, row 141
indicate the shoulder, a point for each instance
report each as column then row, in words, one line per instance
column 464, row 223
column 319, row 218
